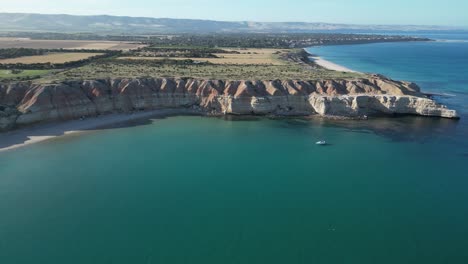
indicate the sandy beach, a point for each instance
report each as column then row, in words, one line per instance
column 330, row 65
column 27, row 136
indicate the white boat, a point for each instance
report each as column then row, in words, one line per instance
column 321, row 143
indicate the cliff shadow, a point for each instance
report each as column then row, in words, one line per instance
column 401, row 128
column 41, row 132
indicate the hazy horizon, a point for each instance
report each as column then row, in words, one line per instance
column 425, row 13
column 254, row 21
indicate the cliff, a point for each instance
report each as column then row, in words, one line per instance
column 27, row 103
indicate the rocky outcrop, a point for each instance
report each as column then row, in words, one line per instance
column 8, row 116
column 27, row 103
column 360, row 105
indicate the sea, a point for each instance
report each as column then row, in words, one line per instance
column 188, row 189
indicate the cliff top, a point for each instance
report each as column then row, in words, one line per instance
column 224, row 64
column 218, row 57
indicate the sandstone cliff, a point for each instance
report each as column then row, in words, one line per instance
column 27, row 103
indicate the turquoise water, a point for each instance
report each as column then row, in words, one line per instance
column 440, row 66
column 209, row 190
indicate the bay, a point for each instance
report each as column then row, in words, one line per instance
column 255, row 190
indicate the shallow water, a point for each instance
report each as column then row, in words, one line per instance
column 206, row 190
column 209, row 190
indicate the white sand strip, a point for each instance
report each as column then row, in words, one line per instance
column 330, row 65
column 31, row 135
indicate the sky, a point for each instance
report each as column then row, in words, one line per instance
column 414, row 12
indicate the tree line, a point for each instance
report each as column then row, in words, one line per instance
column 262, row 40
column 71, row 64
column 19, row 52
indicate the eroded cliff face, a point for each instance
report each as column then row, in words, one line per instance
column 27, row 103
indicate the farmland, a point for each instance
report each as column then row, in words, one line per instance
column 6, row 43
column 54, row 58
column 232, row 57
column 236, row 57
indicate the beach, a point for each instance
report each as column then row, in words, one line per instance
column 330, row 65
column 31, row 135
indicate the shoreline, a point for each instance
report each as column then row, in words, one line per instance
column 330, row 65
column 27, row 136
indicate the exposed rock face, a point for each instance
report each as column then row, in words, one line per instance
column 8, row 117
column 31, row 103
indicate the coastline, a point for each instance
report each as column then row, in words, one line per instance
column 42, row 132
column 330, row 105
column 26, row 136
column 330, row 65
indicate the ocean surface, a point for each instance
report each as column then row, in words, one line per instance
column 254, row 190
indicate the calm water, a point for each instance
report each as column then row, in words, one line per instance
column 207, row 190
column 440, row 66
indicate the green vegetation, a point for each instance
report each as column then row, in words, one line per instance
column 209, row 56
column 134, row 69
column 19, row 52
column 239, row 56
column 278, row 41
column 214, row 40
column 178, row 52
column 158, row 62
column 22, row 74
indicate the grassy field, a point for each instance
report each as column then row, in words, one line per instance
column 241, row 57
column 205, row 63
column 125, row 69
column 8, row 74
column 67, row 44
column 56, row 58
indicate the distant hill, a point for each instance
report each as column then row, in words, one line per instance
column 144, row 25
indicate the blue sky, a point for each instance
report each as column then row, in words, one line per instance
column 421, row 12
